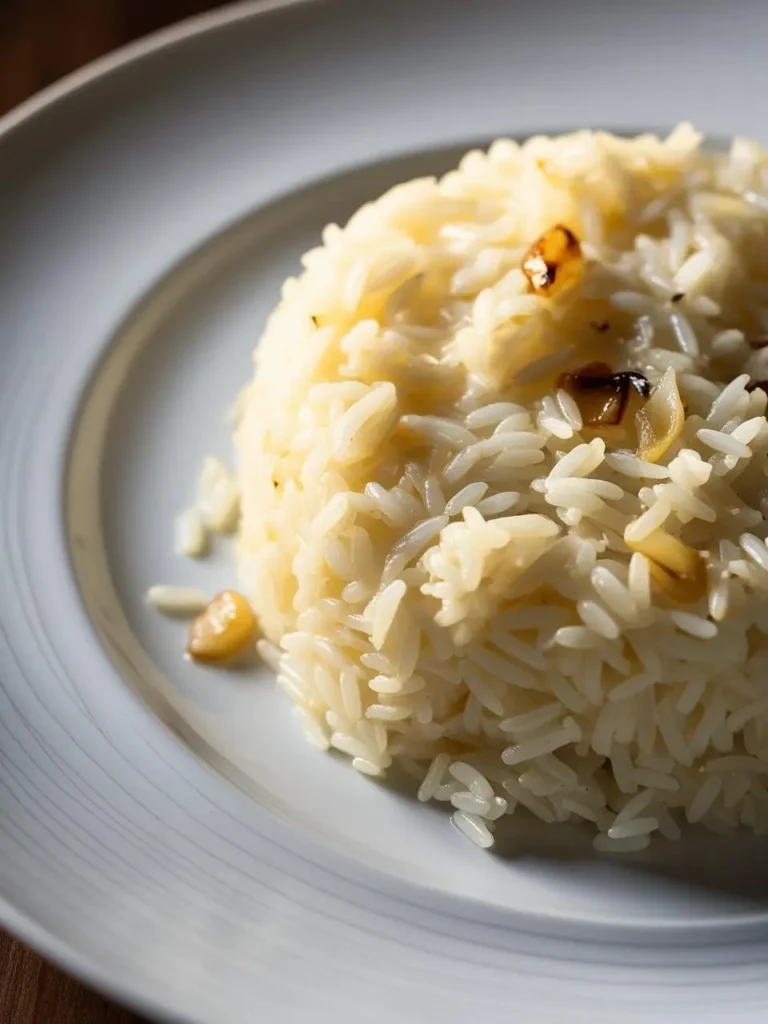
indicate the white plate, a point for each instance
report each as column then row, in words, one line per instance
column 150, row 208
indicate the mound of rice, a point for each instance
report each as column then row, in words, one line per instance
column 448, row 563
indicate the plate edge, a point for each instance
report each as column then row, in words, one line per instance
column 146, row 46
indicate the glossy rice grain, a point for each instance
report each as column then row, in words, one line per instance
column 503, row 488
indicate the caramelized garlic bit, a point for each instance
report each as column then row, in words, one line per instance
column 660, row 421
column 554, row 261
column 601, row 394
column 678, row 570
column 224, row 629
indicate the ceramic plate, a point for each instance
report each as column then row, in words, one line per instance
column 164, row 831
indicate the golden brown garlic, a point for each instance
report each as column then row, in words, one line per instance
column 223, row 630
column 601, row 394
column 660, row 421
column 553, row 263
column 678, row 570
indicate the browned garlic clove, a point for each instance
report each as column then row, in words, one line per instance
column 678, row 570
column 601, row 394
column 223, row 630
column 554, row 262
column 660, row 421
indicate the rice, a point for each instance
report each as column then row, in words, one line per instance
column 217, row 497
column 447, row 558
column 173, row 600
column 191, row 537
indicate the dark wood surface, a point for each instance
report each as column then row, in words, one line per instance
column 41, row 40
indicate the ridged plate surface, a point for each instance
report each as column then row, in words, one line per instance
column 164, row 831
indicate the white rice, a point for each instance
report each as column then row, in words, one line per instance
column 441, row 552
column 191, row 536
column 217, row 496
column 180, row 601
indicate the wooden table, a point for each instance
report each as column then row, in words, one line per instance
column 41, row 40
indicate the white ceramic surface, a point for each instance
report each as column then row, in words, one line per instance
column 149, row 210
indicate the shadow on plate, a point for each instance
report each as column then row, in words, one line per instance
column 728, row 869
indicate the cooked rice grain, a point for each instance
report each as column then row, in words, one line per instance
column 436, row 545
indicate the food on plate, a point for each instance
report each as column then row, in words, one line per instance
column 502, row 471
column 172, row 600
column 224, row 629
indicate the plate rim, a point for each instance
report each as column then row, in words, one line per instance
column 139, row 49
column 20, row 926
column 12, row 125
